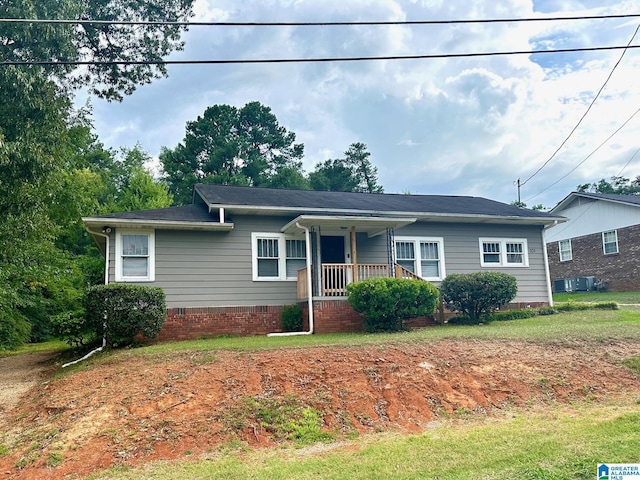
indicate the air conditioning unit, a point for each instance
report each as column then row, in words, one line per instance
column 585, row 284
column 564, row 285
column 579, row 284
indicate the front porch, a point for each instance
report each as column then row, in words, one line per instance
column 334, row 277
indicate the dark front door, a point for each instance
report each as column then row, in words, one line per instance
column 332, row 249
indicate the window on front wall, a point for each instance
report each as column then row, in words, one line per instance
column 503, row 252
column 564, row 247
column 422, row 256
column 610, row 242
column 135, row 259
column 277, row 257
column 296, row 257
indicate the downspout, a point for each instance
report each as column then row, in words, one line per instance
column 307, row 238
column 106, row 282
column 546, row 262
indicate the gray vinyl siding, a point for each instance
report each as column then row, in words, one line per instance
column 462, row 252
column 371, row 250
column 204, row 269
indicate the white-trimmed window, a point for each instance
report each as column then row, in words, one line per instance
column 610, row 242
column 504, row 252
column 423, row 256
column 276, row 256
column 135, row 256
column 564, row 248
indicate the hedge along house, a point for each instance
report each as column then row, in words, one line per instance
column 230, row 262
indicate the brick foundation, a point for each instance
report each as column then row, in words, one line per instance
column 330, row 316
column 337, row 316
column 621, row 271
column 208, row 322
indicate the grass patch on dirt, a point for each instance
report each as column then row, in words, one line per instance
column 633, row 363
column 561, row 444
column 286, row 418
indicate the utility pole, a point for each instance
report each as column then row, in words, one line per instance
column 517, row 183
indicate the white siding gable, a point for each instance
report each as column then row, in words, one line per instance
column 593, row 217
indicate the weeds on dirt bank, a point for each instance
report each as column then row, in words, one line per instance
column 562, row 444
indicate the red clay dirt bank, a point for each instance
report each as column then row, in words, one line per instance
column 132, row 409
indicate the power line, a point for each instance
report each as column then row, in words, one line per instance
column 585, row 113
column 306, row 60
column 629, row 161
column 587, row 157
column 314, row 24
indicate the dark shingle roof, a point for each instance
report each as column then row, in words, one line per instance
column 188, row 213
column 309, row 200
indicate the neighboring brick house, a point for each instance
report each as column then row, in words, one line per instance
column 600, row 239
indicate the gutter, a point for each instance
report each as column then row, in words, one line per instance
column 106, row 282
column 307, row 237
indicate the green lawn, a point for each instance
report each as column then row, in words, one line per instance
column 593, row 325
column 49, row 346
column 620, row 297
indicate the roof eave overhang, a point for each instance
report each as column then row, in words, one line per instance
column 102, row 223
column 373, row 226
column 419, row 216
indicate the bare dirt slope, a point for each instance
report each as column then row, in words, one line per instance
column 133, row 409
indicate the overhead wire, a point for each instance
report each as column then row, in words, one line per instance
column 308, row 60
column 587, row 157
column 314, row 24
column 593, row 101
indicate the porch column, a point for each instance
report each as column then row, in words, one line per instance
column 354, row 258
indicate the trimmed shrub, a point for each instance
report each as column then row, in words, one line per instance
column 476, row 295
column 385, row 303
column 513, row 315
column 547, row 310
column 573, row 306
column 292, row 318
column 457, row 320
column 122, row 311
column 605, row 305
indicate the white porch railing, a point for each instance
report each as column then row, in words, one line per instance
column 336, row 276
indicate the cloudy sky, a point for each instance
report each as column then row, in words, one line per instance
column 459, row 126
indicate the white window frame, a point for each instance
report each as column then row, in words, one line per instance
column 151, row 255
column 282, row 256
column 503, row 255
column 416, row 250
column 567, row 253
column 604, row 248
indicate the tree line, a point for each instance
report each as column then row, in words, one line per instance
column 54, row 169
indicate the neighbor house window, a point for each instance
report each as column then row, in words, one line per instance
column 276, row 256
column 610, row 242
column 135, row 256
column 423, row 256
column 504, row 252
column 564, row 247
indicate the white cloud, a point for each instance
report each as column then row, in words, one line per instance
column 452, row 126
